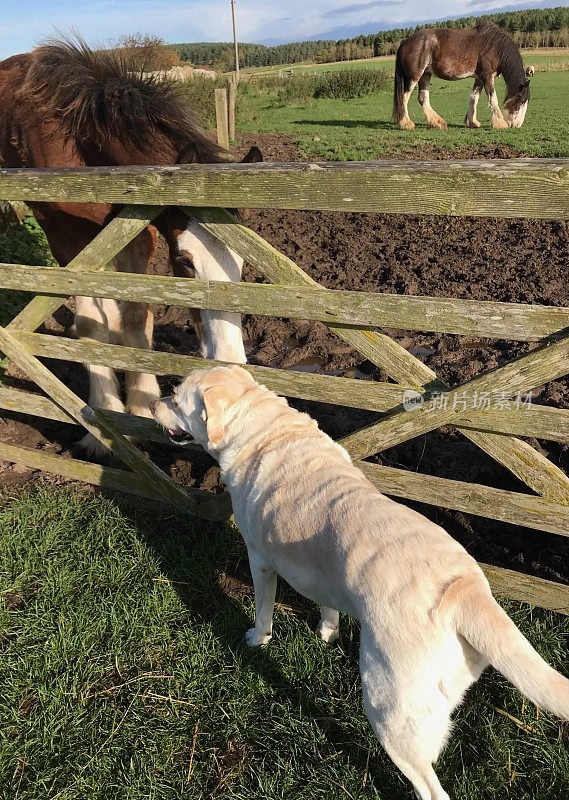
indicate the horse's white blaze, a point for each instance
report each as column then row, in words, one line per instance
column 213, row 261
column 516, row 120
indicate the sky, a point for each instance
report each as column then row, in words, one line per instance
column 23, row 24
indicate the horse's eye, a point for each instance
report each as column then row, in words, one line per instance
column 185, row 264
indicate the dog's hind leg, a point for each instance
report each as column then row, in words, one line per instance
column 407, row 710
column 328, row 628
column 412, row 738
column 265, row 584
column 423, row 777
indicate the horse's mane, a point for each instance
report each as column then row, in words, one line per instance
column 95, row 95
column 511, row 66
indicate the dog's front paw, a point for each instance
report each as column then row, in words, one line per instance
column 326, row 632
column 255, row 639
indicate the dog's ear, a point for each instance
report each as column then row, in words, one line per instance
column 218, row 399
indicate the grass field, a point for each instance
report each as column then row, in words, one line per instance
column 124, row 675
column 361, row 129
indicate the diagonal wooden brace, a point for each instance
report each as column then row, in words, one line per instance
column 541, row 365
column 114, row 237
column 98, row 425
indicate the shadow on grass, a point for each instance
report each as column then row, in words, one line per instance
column 372, row 124
column 346, row 123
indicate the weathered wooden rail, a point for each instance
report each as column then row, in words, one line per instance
column 483, row 409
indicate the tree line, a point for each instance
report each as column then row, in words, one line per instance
column 540, row 27
column 221, row 55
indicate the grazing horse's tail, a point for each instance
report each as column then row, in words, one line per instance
column 398, row 89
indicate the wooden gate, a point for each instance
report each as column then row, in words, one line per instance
column 488, row 410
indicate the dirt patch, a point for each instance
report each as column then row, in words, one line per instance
column 431, row 151
column 521, row 261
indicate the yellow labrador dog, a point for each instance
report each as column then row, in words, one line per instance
column 429, row 624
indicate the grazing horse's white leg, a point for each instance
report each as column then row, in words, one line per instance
column 498, row 120
column 406, row 122
column 99, row 319
column 470, row 120
column 222, row 337
column 434, row 120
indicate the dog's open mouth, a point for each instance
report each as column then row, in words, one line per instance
column 178, row 436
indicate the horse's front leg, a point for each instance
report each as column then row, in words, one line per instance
column 99, row 319
column 498, row 120
column 138, row 324
column 219, row 332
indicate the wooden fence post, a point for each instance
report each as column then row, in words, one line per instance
column 221, row 118
column 231, row 108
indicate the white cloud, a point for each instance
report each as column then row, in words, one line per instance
column 101, row 21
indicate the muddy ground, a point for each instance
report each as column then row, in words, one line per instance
column 521, row 261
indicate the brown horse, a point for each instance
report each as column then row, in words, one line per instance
column 484, row 51
column 64, row 105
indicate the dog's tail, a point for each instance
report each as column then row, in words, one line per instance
column 487, row 627
column 398, row 89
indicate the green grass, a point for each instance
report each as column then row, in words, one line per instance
column 123, row 675
column 25, row 244
column 361, row 129
column 383, row 62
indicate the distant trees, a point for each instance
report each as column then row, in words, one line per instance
column 250, row 55
column 539, row 27
column 148, row 53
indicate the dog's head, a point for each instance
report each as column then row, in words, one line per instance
column 203, row 404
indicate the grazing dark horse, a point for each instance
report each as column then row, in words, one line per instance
column 64, row 105
column 484, row 51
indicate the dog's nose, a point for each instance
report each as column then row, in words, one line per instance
column 153, row 405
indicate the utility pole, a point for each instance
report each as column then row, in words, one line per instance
column 235, row 41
